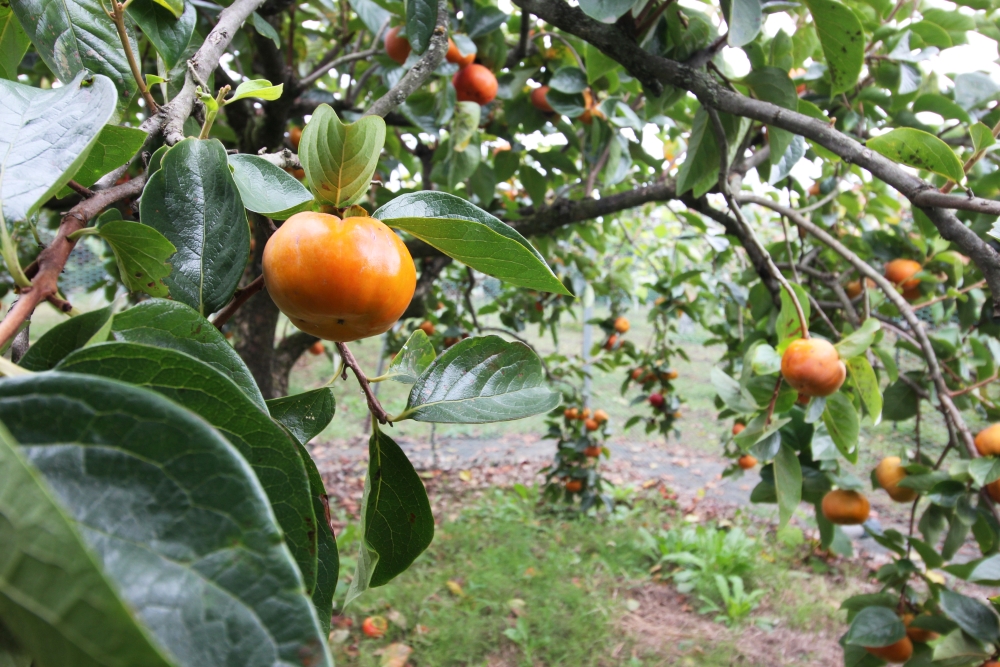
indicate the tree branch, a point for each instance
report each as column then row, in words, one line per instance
column 241, row 296
column 378, row 412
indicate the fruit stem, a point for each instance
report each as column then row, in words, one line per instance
column 378, row 412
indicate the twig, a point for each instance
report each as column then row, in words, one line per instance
column 822, row 202
column 118, row 18
column 774, row 400
column 241, row 296
column 325, row 66
column 950, row 185
column 374, row 406
column 936, row 299
column 973, row 387
column 468, row 297
column 81, row 190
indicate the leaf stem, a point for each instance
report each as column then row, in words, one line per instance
column 86, row 231
column 212, row 110
column 118, row 18
column 9, row 252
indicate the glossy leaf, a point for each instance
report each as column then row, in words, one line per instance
column 859, row 341
column 875, row 626
column 864, row 380
column 971, row 615
column 14, row 44
column 412, row 360
column 606, row 11
column 396, row 520
column 772, row 84
column 173, row 325
column 339, row 159
column 700, row 171
column 841, row 421
column 175, row 518
column 745, row 19
column 472, row 236
column 899, row 402
column 920, row 150
column 259, row 89
column 569, row 80
column 787, row 482
column 170, row 34
column 141, row 253
column 984, row 469
column 327, row 555
column 843, row 41
column 267, row 189
column 305, row 415
column 421, row 17
column 479, row 380
column 788, row 326
column 464, row 124
column 45, row 136
column 114, row 147
column 982, row 137
column 193, row 201
column 735, row 397
column 76, row 332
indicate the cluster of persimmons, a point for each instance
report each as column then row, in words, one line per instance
column 473, row 82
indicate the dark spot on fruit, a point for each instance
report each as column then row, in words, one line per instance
column 340, row 321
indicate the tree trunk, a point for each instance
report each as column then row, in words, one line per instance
column 257, row 320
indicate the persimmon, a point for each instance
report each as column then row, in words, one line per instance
column 814, row 189
column 845, row 508
column 574, row 485
column 340, row 280
column 900, row 272
column 317, row 348
column 622, row 325
column 397, row 47
column 591, row 424
column 988, row 441
column 813, row 367
column 295, row 136
column 375, row 626
column 889, row 474
column 677, row 414
column 475, row 83
column 746, row 461
column 585, row 413
column 802, row 399
column 427, row 327
column 600, row 416
column 450, row 340
column 919, row 635
column 611, row 342
column 656, row 400
column 592, row 452
column 571, row 413
column 672, row 374
column 897, row 653
column 455, row 56
column 854, row 290
column 540, row 101
column 993, row 489
column 738, row 428
column 590, row 109
column 638, row 373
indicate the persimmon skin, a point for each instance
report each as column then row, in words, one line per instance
column 396, row 47
column 854, row 289
column 889, row 474
column 574, row 485
column 813, row 367
column 988, row 441
column 571, row 413
column 897, row 653
column 540, row 101
column 475, row 83
column 845, row 508
column 317, row 348
column 340, row 280
column 738, row 428
column 900, row 272
column 455, row 56
column 993, row 489
column 917, row 634
column 600, row 416
column 746, row 461
column 592, row 452
column 591, row 424
column 622, row 325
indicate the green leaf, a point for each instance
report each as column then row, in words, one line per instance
column 984, row 469
column 899, row 402
column 267, row 189
column 56, row 597
column 971, row 615
column 982, row 137
column 193, row 201
column 932, row 559
column 735, row 397
column 45, row 136
column 859, row 341
column 480, row 380
column 265, row 29
column 175, row 517
column 939, row 104
column 421, row 17
column 14, row 44
column 11, row 654
column 863, row 376
column 957, row 649
column 169, row 33
column 175, row 7
column 396, row 520
column 141, row 253
column 173, row 325
column 339, row 159
column 841, row 421
column 606, row 11
column 305, row 415
column 920, row 150
column 259, row 89
column 411, row 361
column 787, row 482
column 464, row 124
column 570, row 80
column 987, row 571
column 114, row 147
column 745, row 19
column 875, row 626
column 76, row 332
column 788, row 326
column 327, row 555
column 772, row 84
column 700, row 171
column 598, row 64
column 843, row 41
column 208, row 393
column 472, row 236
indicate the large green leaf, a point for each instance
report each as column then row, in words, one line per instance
column 170, row 324
column 971, row 615
column 772, row 84
column 141, row 253
column 266, row 189
column 700, row 171
column 899, row 402
column 174, row 516
column 606, row 11
column 206, row 392
column 170, row 34
column 416, row 355
column 472, row 236
column 788, row 326
column 421, row 17
column 76, row 332
column 859, row 341
column 396, row 520
column 305, row 415
column 45, row 135
column 14, row 43
column 77, row 36
column 745, row 19
column 56, row 599
column 114, row 147
column 841, row 421
column 875, row 626
column 787, row 482
column 864, row 380
column 479, row 380
column 920, row 150
column 843, row 41
column 339, row 159
column 194, row 202
column 327, row 555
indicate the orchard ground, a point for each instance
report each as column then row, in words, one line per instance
column 506, row 582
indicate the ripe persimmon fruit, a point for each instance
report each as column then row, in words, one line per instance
column 802, row 399
column 656, row 400
column 294, row 136
column 600, row 416
column 889, row 474
column 897, row 653
column 988, row 441
column 638, row 373
column 746, row 461
column 611, row 342
column 475, row 83
column 340, row 280
column 900, row 272
column 845, row 508
column 622, row 325
column 993, row 489
column 455, row 56
column 591, row 424
column 427, row 327
column 813, row 367
column 853, row 288
column 672, row 374
column 917, row 634
column 397, row 47
column 375, row 626
column 592, row 452
column 571, row 413
column 540, row 101
column 738, row 428
column 574, row 485
column 317, row 348
column 585, row 413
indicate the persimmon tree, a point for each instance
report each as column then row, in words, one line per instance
column 157, row 504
